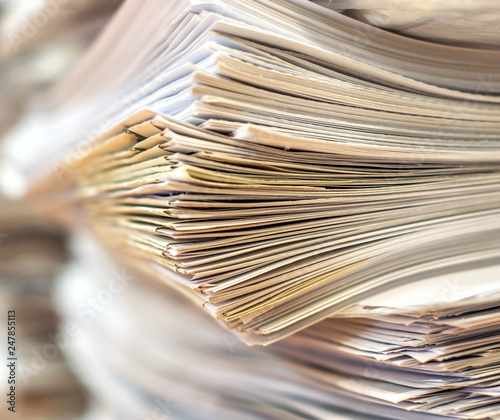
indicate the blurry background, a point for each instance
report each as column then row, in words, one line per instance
column 40, row 42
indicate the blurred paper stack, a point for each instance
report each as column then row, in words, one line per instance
column 155, row 354
column 460, row 22
column 31, row 256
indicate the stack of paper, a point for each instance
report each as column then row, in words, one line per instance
column 150, row 364
column 288, row 168
column 271, row 240
column 296, row 171
column 428, row 347
column 381, row 363
column 289, row 65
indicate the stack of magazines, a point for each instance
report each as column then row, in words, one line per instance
column 397, row 355
column 315, row 184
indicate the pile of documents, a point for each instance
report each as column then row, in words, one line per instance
column 398, row 355
column 302, row 176
column 150, row 365
column 430, row 347
column 292, row 66
column 270, row 239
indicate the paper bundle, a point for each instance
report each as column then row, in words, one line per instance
column 288, row 168
column 271, row 240
column 281, row 174
column 292, row 66
column 422, row 364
